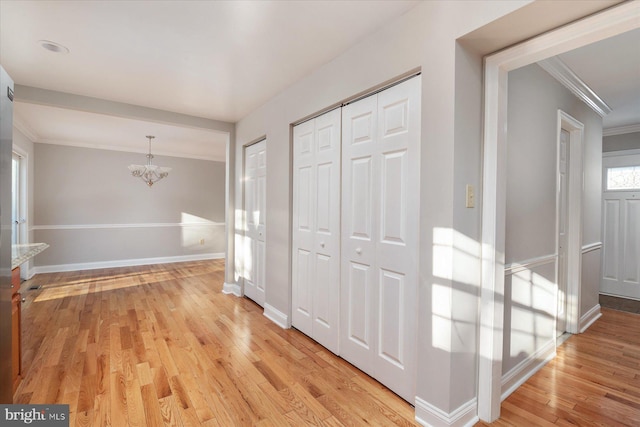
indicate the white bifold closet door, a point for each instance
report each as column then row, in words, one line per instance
column 316, row 229
column 380, row 213
column 255, row 187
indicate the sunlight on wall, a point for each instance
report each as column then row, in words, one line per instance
column 533, row 309
column 451, row 245
column 243, row 259
column 456, row 257
column 197, row 233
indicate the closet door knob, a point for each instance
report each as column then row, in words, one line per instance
column 322, row 244
column 358, row 251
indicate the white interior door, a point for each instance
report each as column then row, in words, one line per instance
column 621, row 226
column 563, row 204
column 316, row 229
column 380, row 212
column 255, row 167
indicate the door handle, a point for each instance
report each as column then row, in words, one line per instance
column 358, row 251
column 322, row 244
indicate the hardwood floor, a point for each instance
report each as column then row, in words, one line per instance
column 593, row 381
column 161, row 345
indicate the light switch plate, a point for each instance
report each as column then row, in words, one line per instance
column 471, row 196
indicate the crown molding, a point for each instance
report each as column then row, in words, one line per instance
column 621, row 130
column 26, row 130
column 562, row 73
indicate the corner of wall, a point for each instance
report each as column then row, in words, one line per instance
column 429, row 415
column 231, row 289
column 276, row 316
column 588, row 319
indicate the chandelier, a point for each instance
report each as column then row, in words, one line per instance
column 149, row 173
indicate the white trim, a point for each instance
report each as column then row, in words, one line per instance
column 591, row 247
column 276, row 316
column 429, row 415
column 524, row 370
column 565, row 75
column 138, row 225
column 634, row 152
column 231, row 289
column 611, row 22
column 124, row 263
column 590, row 317
column 621, row 130
column 516, row 267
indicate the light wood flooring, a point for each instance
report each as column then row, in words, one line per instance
column 161, row 345
column 593, row 381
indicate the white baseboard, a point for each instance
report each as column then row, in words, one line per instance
column 276, row 316
column 231, row 289
column 524, row 370
column 589, row 317
column 123, row 263
column 428, row 415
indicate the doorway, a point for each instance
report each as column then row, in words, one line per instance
column 569, row 185
column 607, row 24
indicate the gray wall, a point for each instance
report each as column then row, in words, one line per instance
column 423, row 38
column 533, row 103
column 628, row 141
column 90, row 210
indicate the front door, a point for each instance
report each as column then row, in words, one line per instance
column 621, row 226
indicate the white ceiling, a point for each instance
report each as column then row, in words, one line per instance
column 611, row 68
column 212, row 59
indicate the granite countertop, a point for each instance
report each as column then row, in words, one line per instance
column 24, row 252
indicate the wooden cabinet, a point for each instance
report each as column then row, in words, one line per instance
column 16, row 344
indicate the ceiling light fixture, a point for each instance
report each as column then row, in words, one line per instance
column 149, row 173
column 53, row 46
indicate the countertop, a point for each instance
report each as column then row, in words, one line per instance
column 23, row 253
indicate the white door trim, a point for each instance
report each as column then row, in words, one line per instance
column 608, row 23
column 574, row 212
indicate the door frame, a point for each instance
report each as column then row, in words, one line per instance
column 574, row 213
column 609, row 23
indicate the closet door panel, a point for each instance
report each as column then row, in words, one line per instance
column 391, row 323
column 326, row 308
column 359, row 225
column 316, row 228
column 393, row 205
column 397, row 242
column 255, row 231
column 303, row 263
